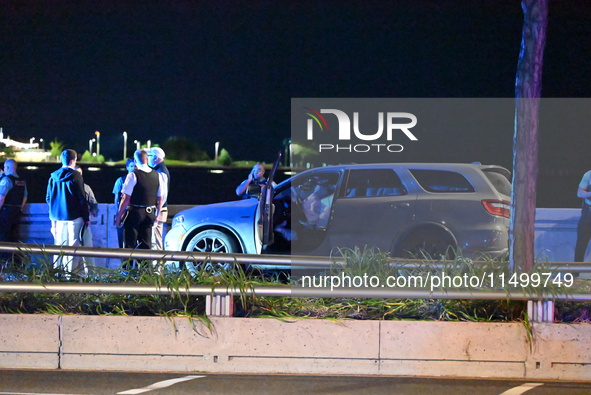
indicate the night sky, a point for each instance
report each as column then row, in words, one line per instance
column 227, row 70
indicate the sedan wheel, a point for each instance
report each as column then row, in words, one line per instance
column 211, row 241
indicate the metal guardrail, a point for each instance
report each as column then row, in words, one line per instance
column 280, row 291
column 243, row 259
column 128, row 253
column 287, row 260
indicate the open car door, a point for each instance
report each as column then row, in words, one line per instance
column 265, row 218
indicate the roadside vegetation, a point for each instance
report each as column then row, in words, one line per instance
column 358, row 262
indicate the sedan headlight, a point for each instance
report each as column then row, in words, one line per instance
column 178, row 220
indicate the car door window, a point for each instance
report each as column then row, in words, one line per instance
column 372, row 183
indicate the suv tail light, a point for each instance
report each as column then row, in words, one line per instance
column 497, row 207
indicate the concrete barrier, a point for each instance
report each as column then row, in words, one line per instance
column 36, row 228
column 29, row 341
column 556, row 234
column 453, row 349
column 303, row 346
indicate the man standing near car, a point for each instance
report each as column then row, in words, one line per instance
column 143, row 192
column 68, row 210
column 156, row 161
column 584, row 227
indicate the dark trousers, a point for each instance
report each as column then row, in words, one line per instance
column 120, row 237
column 10, row 218
column 137, row 230
column 583, row 233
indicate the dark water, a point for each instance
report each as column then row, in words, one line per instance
column 189, row 185
column 195, row 185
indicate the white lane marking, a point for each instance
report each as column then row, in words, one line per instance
column 160, row 384
column 521, row 389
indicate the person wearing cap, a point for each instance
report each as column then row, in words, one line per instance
column 143, row 192
column 156, row 161
column 13, row 197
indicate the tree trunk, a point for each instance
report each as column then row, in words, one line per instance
column 528, row 86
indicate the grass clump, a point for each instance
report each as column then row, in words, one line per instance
column 371, row 264
column 177, row 303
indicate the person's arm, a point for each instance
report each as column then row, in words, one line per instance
column 159, row 203
column 163, row 187
column 5, row 187
column 243, row 187
column 122, row 207
column 92, row 203
column 81, row 196
column 162, row 192
column 48, row 193
column 25, row 197
column 126, row 191
column 583, row 194
column 583, row 186
column 117, row 190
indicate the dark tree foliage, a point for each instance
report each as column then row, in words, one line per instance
column 183, row 149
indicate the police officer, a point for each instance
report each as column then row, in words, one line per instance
column 13, row 196
column 143, row 192
column 256, row 179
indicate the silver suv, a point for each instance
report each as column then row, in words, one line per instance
column 408, row 209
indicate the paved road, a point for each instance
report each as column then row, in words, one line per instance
column 66, row 382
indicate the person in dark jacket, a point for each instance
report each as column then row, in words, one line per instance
column 143, row 192
column 68, row 210
column 13, row 197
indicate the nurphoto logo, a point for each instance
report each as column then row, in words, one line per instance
column 391, row 126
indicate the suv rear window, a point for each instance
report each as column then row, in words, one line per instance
column 439, row 181
column 499, row 181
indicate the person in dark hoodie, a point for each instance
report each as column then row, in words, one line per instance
column 68, row 210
